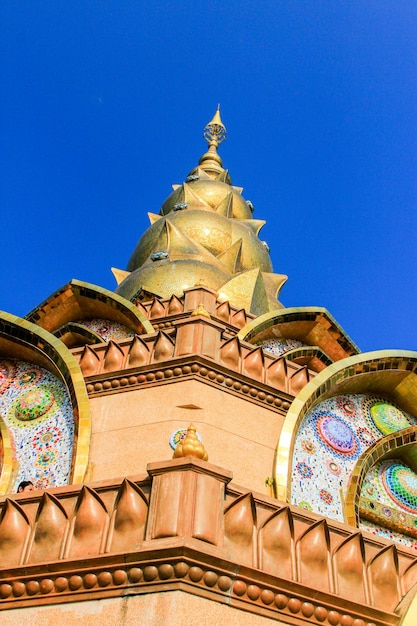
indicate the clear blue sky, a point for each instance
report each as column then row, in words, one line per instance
column 102, row 108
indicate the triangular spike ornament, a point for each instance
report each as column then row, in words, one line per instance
column 119, row 275
column 224, row 177
column 255, row 225
column 225, row 206
column 274, row 282
column 202, row 174
column 154, row 217
column 246, row 290
column 180, row 246
column 231, row 257
column 193, row 200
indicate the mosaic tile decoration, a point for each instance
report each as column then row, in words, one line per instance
column 37, row 410
column 389, row 496
column 107, row 330
column 277, row 347
column 329, row 441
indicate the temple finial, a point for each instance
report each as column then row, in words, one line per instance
column 191, row 446
column 215, row 131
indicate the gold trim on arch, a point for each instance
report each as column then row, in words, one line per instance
column 330, row 333
column 369, row 371
column 48, row 351
column 393, row 444
column 94, row 298
column 9, row 465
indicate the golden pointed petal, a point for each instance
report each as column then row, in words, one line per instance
column 274, row 282
column 238, row 189
column 225, row 206
column 247, row 291
column 193, row 200
column 181, row 247
column 154, row 217
column 202, row 174
column 175, row 186
column 119, row 275
column 231, row 257
column 223, row 176
column 255, row 225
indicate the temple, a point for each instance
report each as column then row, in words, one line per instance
column 200, row 453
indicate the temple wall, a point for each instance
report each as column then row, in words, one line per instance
column 236, row 432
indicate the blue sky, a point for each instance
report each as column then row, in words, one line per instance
column 103, row 105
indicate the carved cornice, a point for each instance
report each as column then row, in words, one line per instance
column 196, row 367
column 187, row 569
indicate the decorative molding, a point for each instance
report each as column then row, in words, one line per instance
column 190, row 367
column 191, row 571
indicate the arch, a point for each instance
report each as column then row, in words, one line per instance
column 25, row 341
column 313, row 326
column 386, row 371
column 78, row 300
column 399, row 445
column 8, row 468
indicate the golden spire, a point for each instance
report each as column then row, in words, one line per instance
column 214, row 134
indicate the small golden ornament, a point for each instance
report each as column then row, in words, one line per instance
column 191, row 446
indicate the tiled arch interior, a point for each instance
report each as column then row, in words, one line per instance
column 36, row 408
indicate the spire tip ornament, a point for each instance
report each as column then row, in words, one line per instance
column 215, row 131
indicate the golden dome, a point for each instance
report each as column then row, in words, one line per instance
column 216, row 233
column 165, row 278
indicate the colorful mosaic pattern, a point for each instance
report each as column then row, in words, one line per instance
column 277, row 347
column 108, row 330
column 329, row 441
column 382, row 531
column 389, row 496
column 37, row 411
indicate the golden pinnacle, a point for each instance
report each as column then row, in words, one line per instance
column 191, row 446
column 215, row 131
column 200, row 310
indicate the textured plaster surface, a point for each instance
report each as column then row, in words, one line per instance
column 236, row 433
column 174, row 608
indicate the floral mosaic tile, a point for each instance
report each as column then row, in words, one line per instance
column 107, row 330
column 277, row 347
column 36, row 408
column 389, row 496
column 329, row 441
